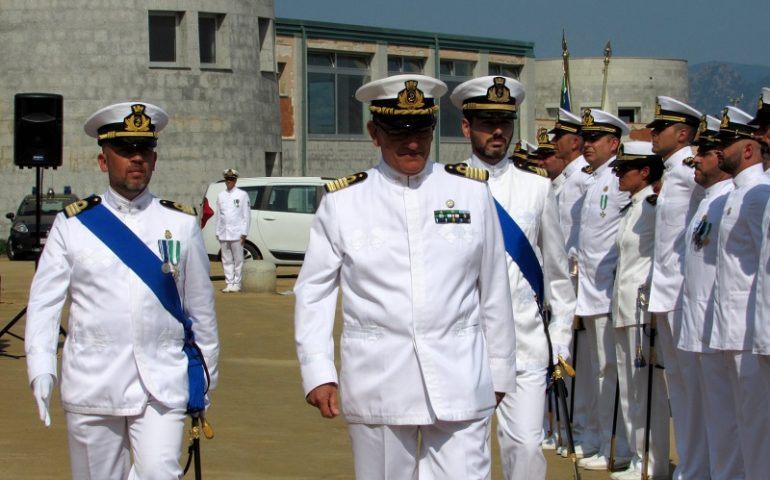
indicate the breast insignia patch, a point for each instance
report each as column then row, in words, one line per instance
column 689, row 161
column 652, row 199
column 179, row 207
column 344, row 182
column 588, row 169
column 75, row 208
column 463, row 170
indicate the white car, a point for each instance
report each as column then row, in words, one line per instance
column 282, row 209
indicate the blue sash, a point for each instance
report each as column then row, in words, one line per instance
column 147, row 266
column 518, row 247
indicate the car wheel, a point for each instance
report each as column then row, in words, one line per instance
column 250, row 252
column 10, row 250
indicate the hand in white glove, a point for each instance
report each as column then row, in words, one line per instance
column 563, row 351
column 42, row 386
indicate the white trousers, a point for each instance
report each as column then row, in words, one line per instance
column 686, row 399
column 634, row 383
column 751, row 401
column 604, row 368
column 520, row 427
column 232, row 261
column 585, row 419
column 441, row 451
column 726, row 460
column 102, row 446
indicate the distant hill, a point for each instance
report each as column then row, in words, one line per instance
column 716, row 84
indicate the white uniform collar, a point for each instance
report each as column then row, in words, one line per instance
column 574, row 166
column 399, row 178
column 559, row 180
column 642, row 194
column 747, row 176
column 494, row 170
column 605, row 166
column 717, row 187
column 121, row 204
column 677, row 157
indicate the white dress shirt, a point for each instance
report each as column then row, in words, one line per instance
column 233, row 214
column 529, row 201
column 636, row 234
column 678, row 198
column 122, row 347
column 700, row 266
column 597, row 251
column 740, row 240
column 427, row 332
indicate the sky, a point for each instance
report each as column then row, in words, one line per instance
column 698, row 31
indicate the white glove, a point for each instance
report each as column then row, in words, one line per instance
column 42, row 386
column 563, row 351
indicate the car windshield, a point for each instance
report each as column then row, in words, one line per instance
column 49, row 206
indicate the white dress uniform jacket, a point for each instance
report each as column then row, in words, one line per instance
column 427, row 332
column 597, row 251
column 233, row 214
column 762, row 316
column 700, row 267
column 740, row 240
column 678, row 198
column 529, row 201
column 570, row 197
column 635, row 243
column 122, row 347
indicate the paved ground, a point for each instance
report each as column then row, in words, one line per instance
column 264, row 429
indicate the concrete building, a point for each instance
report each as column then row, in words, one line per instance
column 209, row 63
column 322, row 64
column 632, row 84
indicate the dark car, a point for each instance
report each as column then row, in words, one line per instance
column 22, row 242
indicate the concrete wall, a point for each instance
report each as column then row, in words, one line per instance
column 631, row 83
column 96, row 53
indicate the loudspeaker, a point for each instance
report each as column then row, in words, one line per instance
column 37, row 135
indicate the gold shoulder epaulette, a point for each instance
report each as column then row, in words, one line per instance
column 689, row 161
column 529, row 168
column 463, row 170
column 588, row 169
column 345, row 182
column 652, row 199
column 179, row 207
column 81, row 205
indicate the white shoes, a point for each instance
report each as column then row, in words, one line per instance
column 600, row 462
column 633, row 473
column 581, row 451
column 231, row 289
column 549, row 443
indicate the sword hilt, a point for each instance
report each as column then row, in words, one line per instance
column 566, row 366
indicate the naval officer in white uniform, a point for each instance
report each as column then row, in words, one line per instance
column 700, row 262
column 124, row 379
column 597, row 258
column 638, row 169
column 673, row 129
column 740, row 238
column 233, row 223
column 428, row 343
column 489, row 106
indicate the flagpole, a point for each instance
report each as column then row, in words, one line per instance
column 605, row 93
column 565, row 101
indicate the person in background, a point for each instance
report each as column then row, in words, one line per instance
column 233, row 223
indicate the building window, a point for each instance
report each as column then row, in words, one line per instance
column 453, row 73
column 629, row 114
column 512, row 71
column 165, row 34
column 397, row 65
column 333, row 79
column 552, row 112
column 208, row 25
column 266, row 44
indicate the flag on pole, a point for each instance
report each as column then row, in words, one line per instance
column 605, row 89
column 565, row 100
